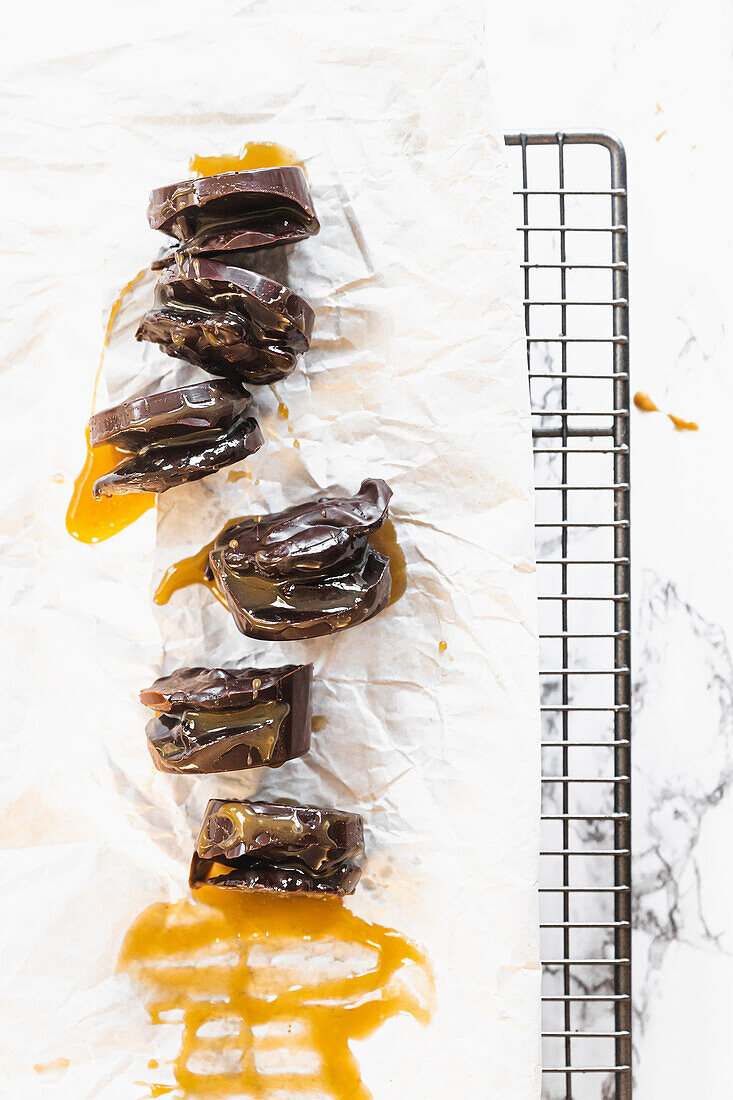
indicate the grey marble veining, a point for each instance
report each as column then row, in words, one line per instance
column 659, row 75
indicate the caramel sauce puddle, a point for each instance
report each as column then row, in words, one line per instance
column 255, row 154
column 229, row 958
column 644, row 403
column 193, row 570
column 384, row 541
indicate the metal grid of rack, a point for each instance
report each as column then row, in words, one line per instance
column 571, row 196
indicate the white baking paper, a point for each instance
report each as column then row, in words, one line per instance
column 416, row 375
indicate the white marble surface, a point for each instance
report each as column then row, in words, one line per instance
column 658, row 74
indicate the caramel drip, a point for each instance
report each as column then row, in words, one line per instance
column 87, row 519
column 255, row 154
column 384, row 541
column 681, row 425
column 192, row 570
column 94, row 520
column 251, row 963
column 644, row 402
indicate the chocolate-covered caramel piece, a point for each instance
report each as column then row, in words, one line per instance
column 307, row 571
column 293, row 610
column 273, row 846
column 170, row 413
column 309, row 540
column 167, row 463
column 235, row 210
column 228, row 321
column 228, row 719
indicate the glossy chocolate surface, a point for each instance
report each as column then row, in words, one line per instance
column 228, row 321
column 223, row 688
column 201, row 742
column 265, row 845
column 307, row 571
column 190, row 409
column 167, row 463
column 221, row 719
column 310, row 540
column 292, row 610
column 235, row 210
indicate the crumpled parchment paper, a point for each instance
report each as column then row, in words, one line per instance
column 416, row 374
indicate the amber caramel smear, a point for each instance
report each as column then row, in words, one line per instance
column 260, row 1015
column 58, row 1065
column 192, row 570
column 644, row 403
column 255, row 154
column 681, row 425
column 87, row 519
column 384, row 541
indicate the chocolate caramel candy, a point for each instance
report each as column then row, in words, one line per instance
column 234, row 211
column 307, row 571
column 229, row 719
column 228, row 321
column 250, row 845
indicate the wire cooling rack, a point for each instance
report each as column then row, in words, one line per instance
column 571, row 199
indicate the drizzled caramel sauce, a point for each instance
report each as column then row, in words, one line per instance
column 87, row 519
column 644, row 403
column 90, row 520
column 261, row 1014
column 384, row 541
column 282, row 409
column 255, row 154
column 193, row 570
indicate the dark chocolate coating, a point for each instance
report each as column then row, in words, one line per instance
column 236, row 209
column 274, row 312
column 218, row 344
column 220, row 720
column 163, row 465
column 167, row 414
column 295, row 610
column 202, row 742
column 254, row 874
column 310, row 540
column 278, row 847
column 228, row 321
column 224, row 688
column 307, row 571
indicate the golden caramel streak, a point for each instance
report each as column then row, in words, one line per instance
column 255, row 154
column 166, row 946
